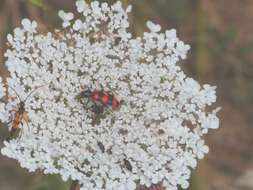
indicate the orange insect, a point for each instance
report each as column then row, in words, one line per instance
column 20, row 113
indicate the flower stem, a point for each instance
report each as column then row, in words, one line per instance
column 201, row 41
column 74, row 185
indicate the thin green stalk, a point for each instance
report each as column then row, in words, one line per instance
column 199, row 176
column 201, row 59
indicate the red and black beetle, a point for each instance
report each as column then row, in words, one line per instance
column 101, row 99
column 104, row 97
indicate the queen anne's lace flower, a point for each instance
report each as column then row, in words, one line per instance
column 66, row 17
column 28, row 25
column 158, row 128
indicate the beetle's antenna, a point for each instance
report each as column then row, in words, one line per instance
column 16, row 93
column 33, row 92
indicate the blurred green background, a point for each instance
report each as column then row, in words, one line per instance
column 220, row 33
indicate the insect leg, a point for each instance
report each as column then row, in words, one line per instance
column 11, row 120
column 25, row 117
column 89, row 107
column 108, row 108
column 21, row 131
column 13, row 110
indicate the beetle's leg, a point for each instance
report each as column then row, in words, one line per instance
column 89, row 105
column 112, row 91
column 14, row 110
column 11, row 119
column 25, row 117
column 20, row 130
column 108, row 108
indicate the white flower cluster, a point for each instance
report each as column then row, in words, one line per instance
column 156, row 135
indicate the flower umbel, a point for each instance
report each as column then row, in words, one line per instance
column 157, row 130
